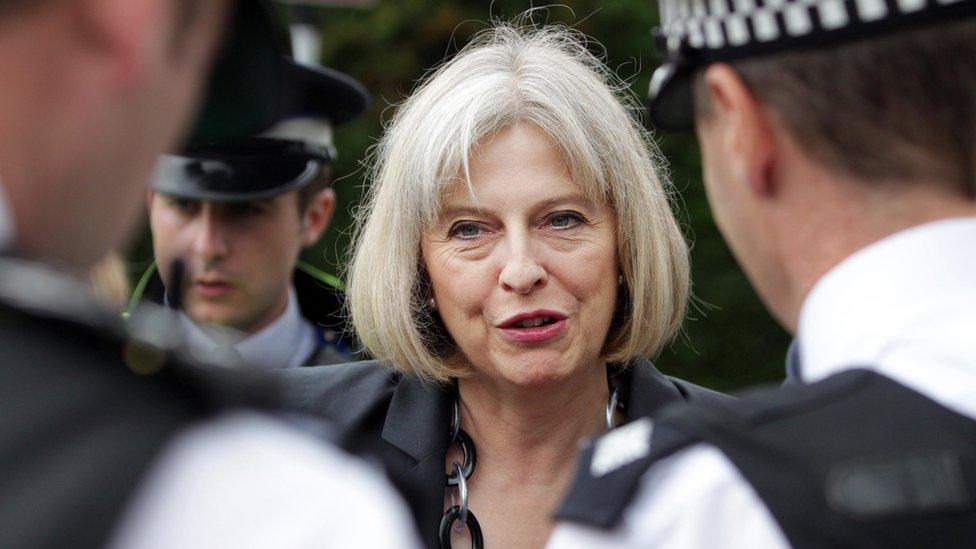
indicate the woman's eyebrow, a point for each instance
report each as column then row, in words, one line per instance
column 459, row 211
column 574, row 199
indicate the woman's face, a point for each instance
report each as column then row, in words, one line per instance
column 525, row 275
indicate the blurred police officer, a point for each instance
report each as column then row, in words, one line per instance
column 238, row 216
column 839, row 151
column 105, row 439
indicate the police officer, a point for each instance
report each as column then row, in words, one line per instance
column 237, row 215
column 838, row 150
column 106, row 439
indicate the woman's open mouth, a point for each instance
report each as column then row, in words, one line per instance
column 533, row 327
column 533, row 322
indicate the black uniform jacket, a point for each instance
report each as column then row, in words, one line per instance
column 853, row 460
column 404, row 423
column 86, row 403
column 320, row 304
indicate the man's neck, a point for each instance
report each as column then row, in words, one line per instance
column 903, row 306
column 284, row 342
column 274, row 314
column 288, row 315
column 831, row 218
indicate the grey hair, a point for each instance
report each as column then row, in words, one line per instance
column 546, row 77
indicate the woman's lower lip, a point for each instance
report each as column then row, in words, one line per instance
column 536, row 334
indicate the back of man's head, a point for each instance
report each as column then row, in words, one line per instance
column 897, row 107
column 825, row 125
column 94, row 93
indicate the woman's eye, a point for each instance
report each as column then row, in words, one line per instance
column 565, row 220
column 466, row 230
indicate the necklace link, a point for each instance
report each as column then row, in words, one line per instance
column 459, row 512
column 463, row 495
column 467, row 448
column 612, row 406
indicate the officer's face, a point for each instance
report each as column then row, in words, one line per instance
column 239, row 256
column 525, row 275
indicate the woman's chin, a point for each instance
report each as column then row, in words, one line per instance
column 540, row 372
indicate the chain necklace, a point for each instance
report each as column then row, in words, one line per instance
column 458, row 478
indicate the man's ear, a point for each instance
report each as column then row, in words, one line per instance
column 125, row 33
column 746, row 134
column 317, row 215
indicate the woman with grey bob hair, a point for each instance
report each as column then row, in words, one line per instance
column 515, row 266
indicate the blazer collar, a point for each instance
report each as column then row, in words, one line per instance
column 646, row 390
column 418, row 420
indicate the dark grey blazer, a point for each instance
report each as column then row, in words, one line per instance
column 404, row 423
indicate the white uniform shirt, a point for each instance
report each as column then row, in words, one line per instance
column 904, row 307
column 285, row 343
column 244, row 481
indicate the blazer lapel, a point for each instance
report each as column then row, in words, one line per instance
column 417, row 423
column 649, row 390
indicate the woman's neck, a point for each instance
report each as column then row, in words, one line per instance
column 533, row 433
column 526, row 439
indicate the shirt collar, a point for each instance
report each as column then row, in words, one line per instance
column 419, row 412
column 284, row 343
column 6, row 222
column 793, row 364
column 910, row 294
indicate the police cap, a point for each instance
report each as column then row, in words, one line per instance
column 694, row 33
column 247, row 89
column 287, row 157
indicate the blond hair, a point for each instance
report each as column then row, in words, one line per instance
column 541, row 76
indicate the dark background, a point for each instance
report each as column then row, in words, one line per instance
column 729, row 341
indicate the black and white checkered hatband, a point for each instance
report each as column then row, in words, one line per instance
column 694, row 33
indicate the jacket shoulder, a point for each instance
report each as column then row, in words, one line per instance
column 696, row 393
column 647, row 391
column 347, row 395
column 326, row 354
column 611, row 467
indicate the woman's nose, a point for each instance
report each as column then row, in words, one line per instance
column 522, row 270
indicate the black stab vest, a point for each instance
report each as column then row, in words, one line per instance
column 856, row 460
